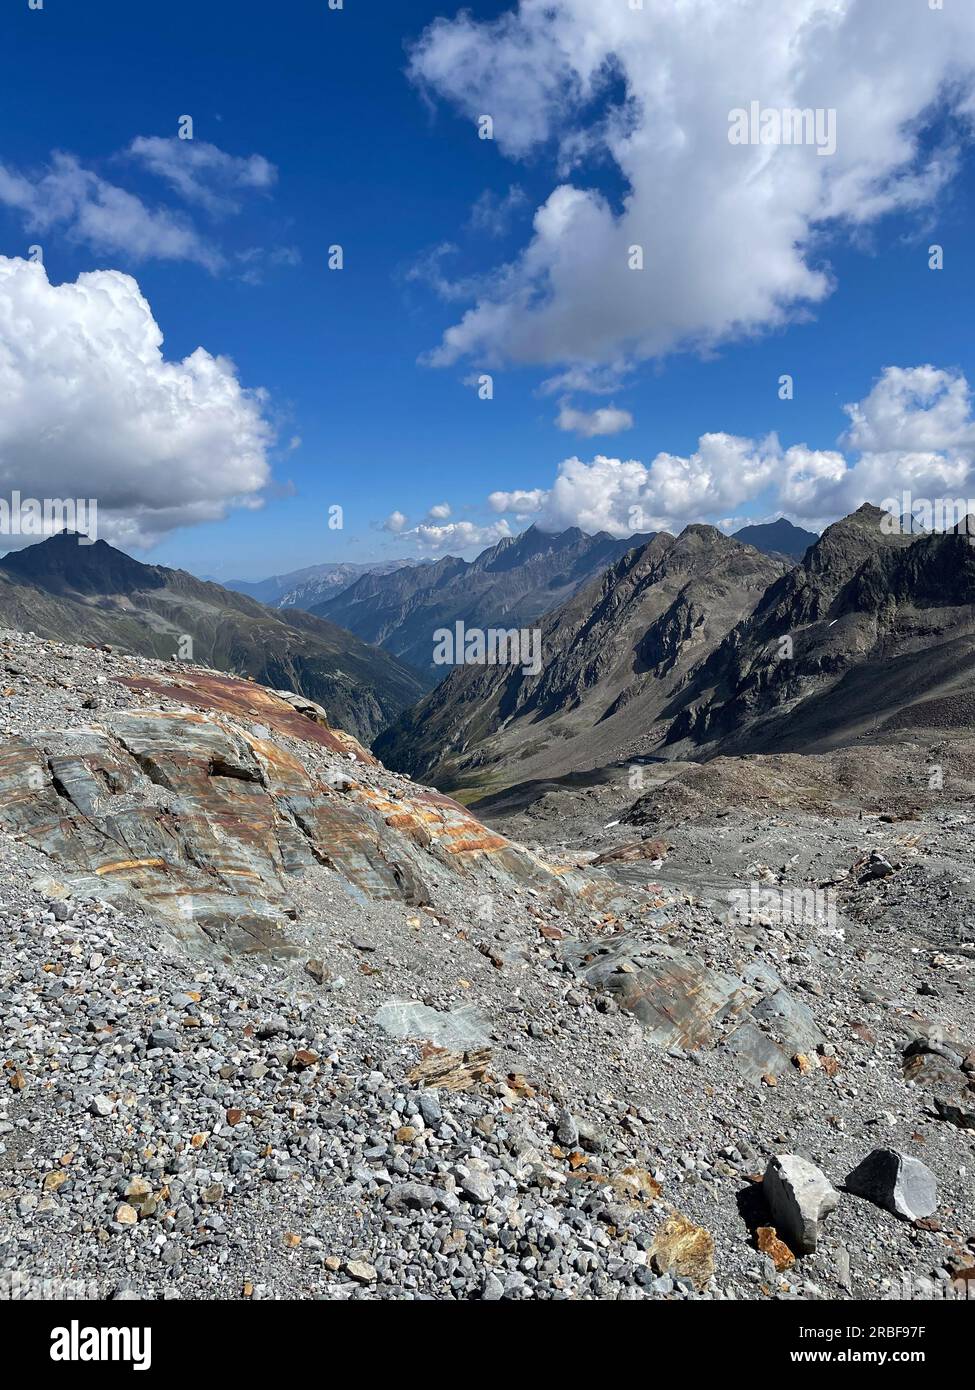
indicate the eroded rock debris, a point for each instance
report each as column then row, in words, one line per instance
column 279, row 1023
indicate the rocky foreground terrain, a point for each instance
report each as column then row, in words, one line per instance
column 278, row 1023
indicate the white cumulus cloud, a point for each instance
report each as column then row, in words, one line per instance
column 729, row 233
column 90, row 407
column 433, row 537
column 915, row 430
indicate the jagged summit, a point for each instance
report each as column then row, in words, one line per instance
column 69, row 561
column 512, row 583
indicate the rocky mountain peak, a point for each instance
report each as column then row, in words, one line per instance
column 69, row 561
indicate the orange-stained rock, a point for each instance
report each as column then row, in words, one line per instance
column 243, row 814
column 776, row 1249
column 209, row 690
column 635, row 1185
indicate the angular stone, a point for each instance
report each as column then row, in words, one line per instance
column 799, row 1197
column 302, row 1059
column 567, row 1131
column 635, row 1185
column 897, row 1182
column 952, row 1090
column 477, row 1187
column 417, row 1195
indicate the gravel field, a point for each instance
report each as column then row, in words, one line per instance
column 509, row 1091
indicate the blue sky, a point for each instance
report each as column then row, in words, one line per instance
column 388, row 164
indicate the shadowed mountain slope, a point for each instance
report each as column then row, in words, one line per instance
column 67, row 591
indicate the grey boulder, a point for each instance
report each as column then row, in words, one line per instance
column 799, row 1197
column 897, row 1182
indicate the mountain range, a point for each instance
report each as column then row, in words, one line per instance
column 873, row 632
column 305, row 587
column 698, row 645
column 613, row 657
column 66, row 591
column 510, row 585
column 660, row 647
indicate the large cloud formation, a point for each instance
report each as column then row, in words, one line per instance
column 89, row 407
column 914, row 431
column 728, row 231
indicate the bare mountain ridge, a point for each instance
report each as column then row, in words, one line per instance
column 702, row 646
column 882, row 634
column 613, row 656
column 304, row 587
column 63, row 591
column 509, row 585
column 777, row 538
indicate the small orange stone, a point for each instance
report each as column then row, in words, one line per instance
column 776, row 1249
column 303, row 1058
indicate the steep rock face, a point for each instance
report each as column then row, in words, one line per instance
column 60, row 589
column 509, row 585
column 220, row 813
column 613, row 657
column 872, row 630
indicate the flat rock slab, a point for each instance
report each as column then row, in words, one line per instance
column 206, row 824
column 459, row 1029
column 681, row 1002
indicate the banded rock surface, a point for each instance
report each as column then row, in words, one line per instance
column 211, row 811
